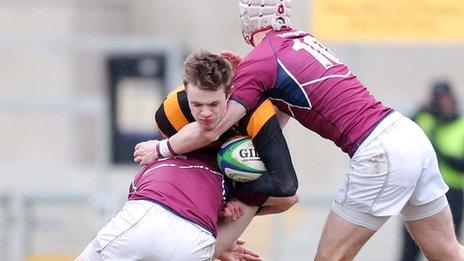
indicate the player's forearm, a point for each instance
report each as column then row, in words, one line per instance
column 189, row 138
column 280, row 179
column 230, row 232
column 192, row 136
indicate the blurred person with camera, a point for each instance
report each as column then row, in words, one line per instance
column 444, row 125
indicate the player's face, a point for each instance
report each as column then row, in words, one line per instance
column 207, row 107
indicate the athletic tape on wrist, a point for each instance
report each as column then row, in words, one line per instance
column 164, row 148
column 157, row 150
column 171, row 149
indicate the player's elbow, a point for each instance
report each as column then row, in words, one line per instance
column 289, row 188
column 292, row 200
column 287, row 202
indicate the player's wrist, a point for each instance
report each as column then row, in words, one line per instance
column 164, row 149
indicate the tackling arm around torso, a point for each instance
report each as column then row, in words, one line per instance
column 192, row 136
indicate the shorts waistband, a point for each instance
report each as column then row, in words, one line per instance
column 157, row 204
column 384, row 124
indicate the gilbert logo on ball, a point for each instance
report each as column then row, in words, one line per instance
column 239, row 160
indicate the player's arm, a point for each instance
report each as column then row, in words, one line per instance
column 193, row 136
column 280, row 179
column 229, row 232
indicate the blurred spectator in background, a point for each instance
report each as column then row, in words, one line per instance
column 441, row 121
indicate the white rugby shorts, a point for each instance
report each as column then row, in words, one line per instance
column 143, row 230
column 395, row 170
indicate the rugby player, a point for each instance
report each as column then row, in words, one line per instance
column 183, row 195
column 393, row 167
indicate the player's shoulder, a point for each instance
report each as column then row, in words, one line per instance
column 174, row 113
column 256, row 119
column 259, row 61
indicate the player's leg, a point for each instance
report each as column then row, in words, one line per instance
column 435, row 236
column 341, row 239
column 427, row 215
column 381, row 179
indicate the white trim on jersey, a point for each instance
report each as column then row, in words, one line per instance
column 327, row 77
column 290, row 105
column 290, row 110
column 182, row 167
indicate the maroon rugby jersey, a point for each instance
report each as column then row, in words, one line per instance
column 189, row 186
column 306, row 81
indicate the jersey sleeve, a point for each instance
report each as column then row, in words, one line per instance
column 255, row 75
column 173, row 113
column 280, row 179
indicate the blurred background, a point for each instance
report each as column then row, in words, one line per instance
column 80, row 80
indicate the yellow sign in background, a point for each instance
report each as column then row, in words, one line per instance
column 394, row 20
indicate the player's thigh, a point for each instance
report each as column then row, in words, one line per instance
column 341, row 239
column 435, row 234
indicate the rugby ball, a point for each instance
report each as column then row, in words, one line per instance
column 239, row 160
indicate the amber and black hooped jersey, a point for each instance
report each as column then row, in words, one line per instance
column 260, row 124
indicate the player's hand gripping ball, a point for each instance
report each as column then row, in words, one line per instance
column 239, row 160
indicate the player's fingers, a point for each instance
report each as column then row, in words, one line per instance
column 238, row 209
column 227, row 53
column 251, row 253
column 231, row 56
column 240, row 242
column 144, row 161
column 222, row 214
column 147, row 159
column 227, row 212
column 248, row 257
column 138, row 145
column 138, row 159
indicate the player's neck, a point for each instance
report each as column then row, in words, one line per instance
column 258, row 38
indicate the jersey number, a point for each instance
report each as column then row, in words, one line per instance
column 321, row 53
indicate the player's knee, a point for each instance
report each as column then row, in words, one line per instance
column 293, row 200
